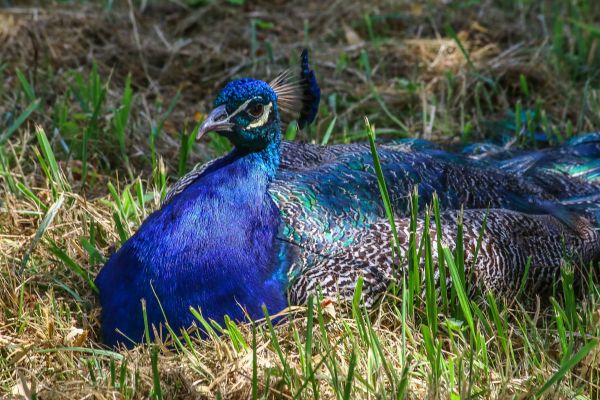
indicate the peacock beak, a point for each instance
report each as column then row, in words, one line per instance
column 217, row 121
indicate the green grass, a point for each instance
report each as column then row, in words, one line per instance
column 89, row 146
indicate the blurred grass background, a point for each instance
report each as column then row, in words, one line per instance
column 98, row 106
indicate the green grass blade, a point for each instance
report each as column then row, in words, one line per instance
column 309, row 344
column 73, row 266
column 381, row 182
column 19, row 121
column 347, row 395
column 54, row 173
column 26, row 86
column 156, row 388
column 499, row 323
column 31, row 196
column 430, row 286
column 328, row 131
column 457, row 284
column 523, row 283
column 441, row 264
column 566, row 366
column 42, row 228
column 275, row 342
column 254, row 365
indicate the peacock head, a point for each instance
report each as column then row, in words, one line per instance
column 248, row 111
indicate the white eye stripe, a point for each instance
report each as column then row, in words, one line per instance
column 263, row 118
column 241, row 108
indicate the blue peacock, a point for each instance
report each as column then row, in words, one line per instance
column 273, row 222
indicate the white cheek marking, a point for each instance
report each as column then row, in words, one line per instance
column 263, row 118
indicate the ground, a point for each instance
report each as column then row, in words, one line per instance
column 98, row 105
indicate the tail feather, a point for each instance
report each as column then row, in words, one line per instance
column 589, row 171
column 582, row 201
column 586, row 205
column 569, row 216
column 570, row 173
column 521, row 164
column 593, row 137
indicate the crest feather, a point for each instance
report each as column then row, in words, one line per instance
column 298, row 96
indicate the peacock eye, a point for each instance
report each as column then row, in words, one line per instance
column 255, row 110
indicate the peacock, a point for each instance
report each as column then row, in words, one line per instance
column 273, row 222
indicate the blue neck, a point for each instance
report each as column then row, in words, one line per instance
column 266, row 160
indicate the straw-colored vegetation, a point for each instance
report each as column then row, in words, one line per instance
column 98, row 106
